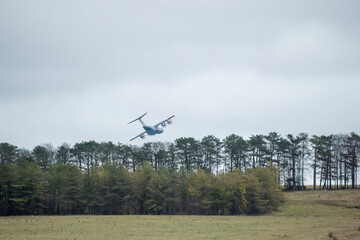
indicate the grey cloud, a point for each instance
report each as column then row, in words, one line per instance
column 163, row 56
column 147, row 38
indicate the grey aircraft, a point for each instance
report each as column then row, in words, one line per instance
column 152, row 130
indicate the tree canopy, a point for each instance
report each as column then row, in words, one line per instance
column 188, row 176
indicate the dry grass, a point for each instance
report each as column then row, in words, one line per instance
column 305, row 215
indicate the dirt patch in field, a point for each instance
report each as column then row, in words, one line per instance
column 339, row 203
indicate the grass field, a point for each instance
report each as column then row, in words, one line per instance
column 305, row 215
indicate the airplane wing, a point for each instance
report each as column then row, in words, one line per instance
column 141, row 135
column 165, row 122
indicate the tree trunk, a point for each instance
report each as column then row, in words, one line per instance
column 321, row 176
column 341, row 176
column 302, row 174
column 314, row 183
column 293, row 172
column 353, row 175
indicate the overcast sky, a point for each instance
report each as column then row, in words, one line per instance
column 73, row 71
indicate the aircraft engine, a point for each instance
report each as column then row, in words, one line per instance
column 143, row 136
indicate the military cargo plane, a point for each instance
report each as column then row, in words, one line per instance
column 149, row 129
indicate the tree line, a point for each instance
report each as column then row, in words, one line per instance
column 113, row 189
column 187, row 176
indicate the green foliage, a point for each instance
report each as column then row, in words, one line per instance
column 212, row 177
column 25, row 189
column 188, row 152
column 112, row 189
column 211, row 147
column 255, row 195
column 263, row 190
column 234, row 183
column 7, row 180
column 63, row 154
column 116, row 186
column 158, row 192
column 142, row 180
column 41, row 156
column 8, row 153
column 200, row 187
column 65, row 187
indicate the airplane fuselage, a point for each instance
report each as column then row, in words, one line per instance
column 151, row 130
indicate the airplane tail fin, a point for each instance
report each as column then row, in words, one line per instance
column 139, row 118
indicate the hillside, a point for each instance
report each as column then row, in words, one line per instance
column 314, row 214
